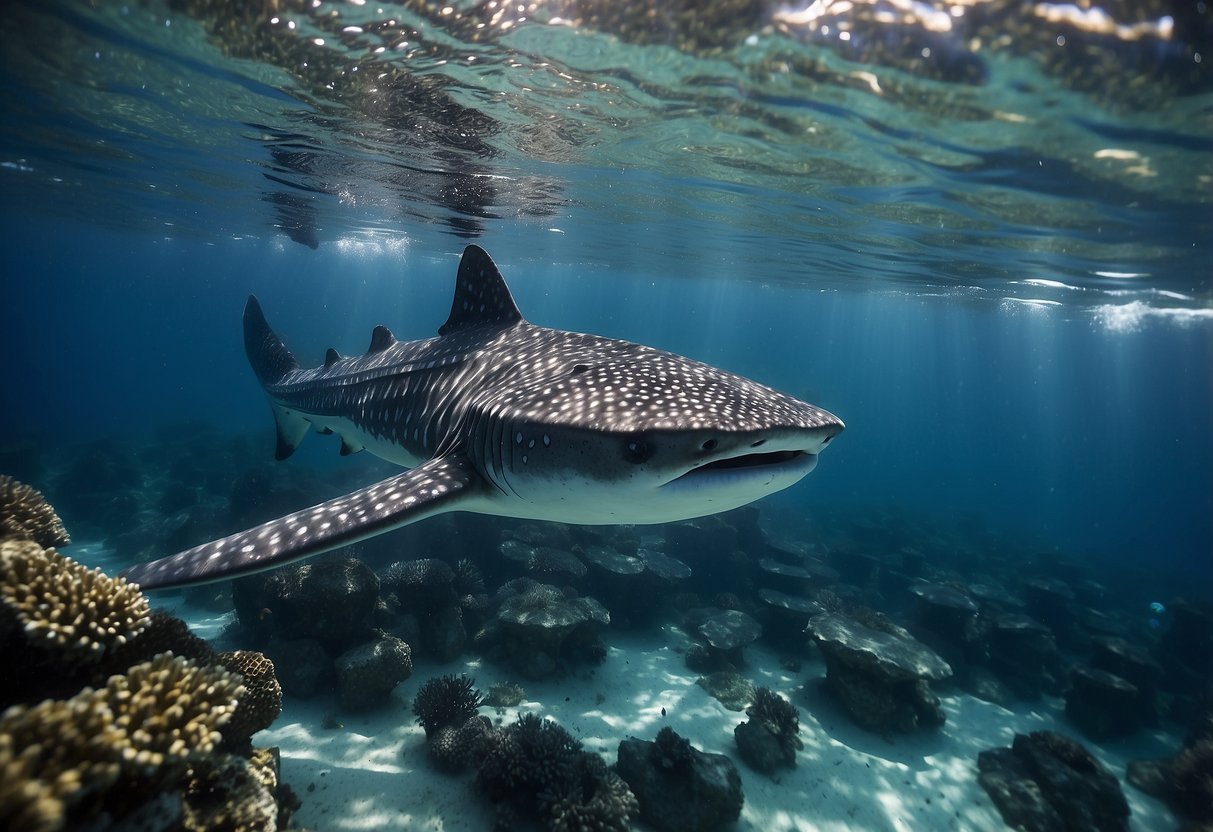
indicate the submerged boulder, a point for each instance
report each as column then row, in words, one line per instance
column 540, row 625
column 330, row 600
column 679, row 787
column 881, row 677
column 1049, row 782
column 769, row 739
column 367, row 674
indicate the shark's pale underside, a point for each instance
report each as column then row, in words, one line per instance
column 499, row 416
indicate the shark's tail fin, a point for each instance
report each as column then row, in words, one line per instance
column 271, row 361
column 270, row 358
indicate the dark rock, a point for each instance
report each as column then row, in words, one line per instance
column 301, row 665
column 943, row 609
column 1186, row 651
column 680, row 788
column 881, row 677
column 539, row 626
column 1052, row 602
column 367, row 674
column 329, row 600
column 1103, row 705
column 727, row 634
column 443, row 634
column 1047, row 782
column 1024, row 655
column 1133, row 664
column 770, row 738
column 1184, row 782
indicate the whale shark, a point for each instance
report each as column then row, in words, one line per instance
column 500, row 416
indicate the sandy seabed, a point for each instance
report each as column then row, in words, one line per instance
column 372, row 772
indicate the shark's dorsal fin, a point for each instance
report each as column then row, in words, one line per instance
column 481, row 296
column 331, row 357
column 381, row 339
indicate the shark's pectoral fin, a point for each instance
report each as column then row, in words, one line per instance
column 431, row 488
column 289, row 428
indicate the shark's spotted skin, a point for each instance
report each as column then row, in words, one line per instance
column 505, row 417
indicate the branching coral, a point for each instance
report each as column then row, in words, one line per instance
column 62, row 605
column 534, row 767
column 778, row 714
column 770, row 739
column 225, row 793
column 141, row 728
column 453, row 748
column 446, row 701
column 26, row 515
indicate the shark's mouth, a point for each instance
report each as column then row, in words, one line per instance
column 735, row 468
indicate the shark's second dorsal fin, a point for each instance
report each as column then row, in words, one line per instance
column 331, row 357
column 381, row 339
column 481, row 296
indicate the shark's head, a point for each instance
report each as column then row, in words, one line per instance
column 594, row 430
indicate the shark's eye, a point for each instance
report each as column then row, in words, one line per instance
column 709, row 445
column 580, row 368
column 637, row 451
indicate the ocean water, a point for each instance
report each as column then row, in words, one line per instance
column 981, row 234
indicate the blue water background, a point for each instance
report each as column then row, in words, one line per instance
column 1091, row 441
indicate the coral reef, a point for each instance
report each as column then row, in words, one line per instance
column 368, row 673
column 534, row 768
column 425, row 589
column 26, row 515
column 678, row 787
column 330, row 600
column 301, row 664
column 539, row 626
column 261, row 701
column 446, row 701
column 125, row 715
column 1049, row 781
column 454, row 748
column 730, row 689
column 62, row 757
column 504, row 695
column 64, row 607
column 770, row 738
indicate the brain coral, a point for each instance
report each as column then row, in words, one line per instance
column 142, row 727
column 64, row 606
column 26, row 515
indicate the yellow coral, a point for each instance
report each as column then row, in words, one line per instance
column 142, row 725
column 261, row 701
column 171, row 707
column 63, row 605
column 26, row 515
